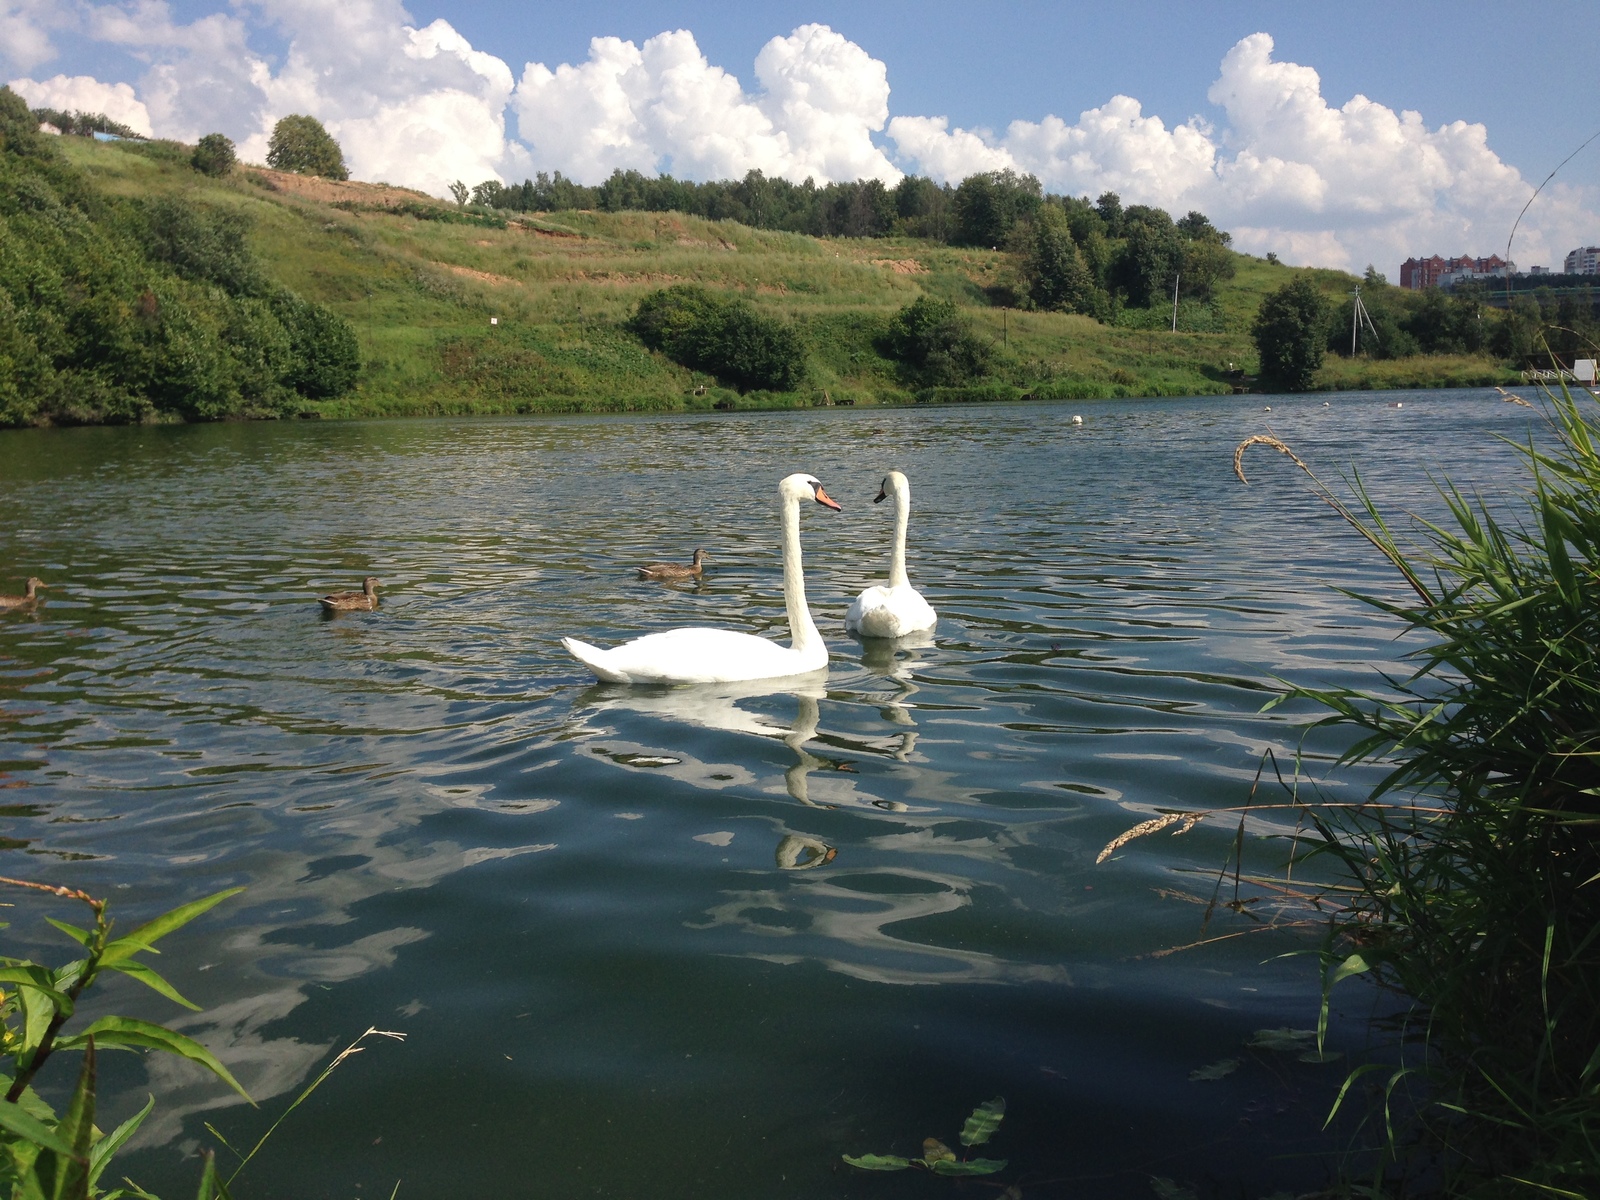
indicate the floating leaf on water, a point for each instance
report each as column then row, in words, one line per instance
column 1165, row 1189
column 985, row 1119
column 1289, row 1041
column 878, row 1162
column 972, row 1166
column 1217, row 1070
column 1319, row 1056
column 935, row 1151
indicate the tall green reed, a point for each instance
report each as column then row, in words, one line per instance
column 1468, row 881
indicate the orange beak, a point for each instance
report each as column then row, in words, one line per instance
column 827, row 501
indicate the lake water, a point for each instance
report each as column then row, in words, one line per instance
column 699, row 943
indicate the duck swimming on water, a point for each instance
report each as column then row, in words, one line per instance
column 27, row 599
column 675, row 570
column 366, row 600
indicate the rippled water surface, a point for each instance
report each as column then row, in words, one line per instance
column 691, row 942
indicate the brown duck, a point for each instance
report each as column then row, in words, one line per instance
column 676, row 570
column 28, row 598
column 363, row 601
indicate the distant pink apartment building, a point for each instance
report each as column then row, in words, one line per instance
column 1418, row 273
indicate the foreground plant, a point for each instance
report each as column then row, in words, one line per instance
column 1470, row 877
column 62, row 1156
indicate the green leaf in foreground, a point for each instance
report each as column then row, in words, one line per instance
column 14, row 1120
column 877, row 1162
column 100, row 1155
column 145, row 937
column 985, row 1119
column 128, row 1031
column 972, row 1166
column 137, row 970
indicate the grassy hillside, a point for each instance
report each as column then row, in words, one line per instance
column 460, row 311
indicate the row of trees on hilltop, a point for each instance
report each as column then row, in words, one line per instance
column 1076, row 255
column 1300, row 323
column 120, row 309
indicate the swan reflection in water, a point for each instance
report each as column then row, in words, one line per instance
column 838, row 923
column 717, row 707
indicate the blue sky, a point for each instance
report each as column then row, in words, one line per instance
column 1259, row 132
column 986, row 64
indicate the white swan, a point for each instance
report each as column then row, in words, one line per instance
column 899, row 609
column 699, row 655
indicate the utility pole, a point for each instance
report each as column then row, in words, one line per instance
column 1175, row 279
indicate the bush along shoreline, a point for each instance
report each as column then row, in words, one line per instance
column 116, row 310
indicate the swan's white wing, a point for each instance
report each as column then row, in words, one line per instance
column 890, row 612
column 694, row 656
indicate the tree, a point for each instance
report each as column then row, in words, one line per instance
column 213, row 155
column 1291, row 334
column 1109, row 206
column 1152, row 256
column 1206, row 262
column 461, row 192
column 1058, row 279
column 300, row 144
column 987, row 206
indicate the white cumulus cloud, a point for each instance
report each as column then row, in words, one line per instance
column 1274, row 161
column 1287, row 171
column 83, row 93
column 25, row 28
column 663, row 106
column 408, row 103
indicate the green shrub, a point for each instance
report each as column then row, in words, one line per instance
column 113, row 310
column 214, row 155
column 203, row 246
column 324, row 357
column 722, row 336
column 935, row 346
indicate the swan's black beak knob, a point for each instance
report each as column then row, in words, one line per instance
column 826, row 500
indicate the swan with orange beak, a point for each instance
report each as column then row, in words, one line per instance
column 701, row 655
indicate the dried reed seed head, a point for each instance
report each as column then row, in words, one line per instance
column 1155, row 825
column 1263, row 439
column 1512, row 398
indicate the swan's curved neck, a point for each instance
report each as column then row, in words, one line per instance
column 897, row 556
column 802, row 629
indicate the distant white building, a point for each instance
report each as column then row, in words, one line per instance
column 1585, row 260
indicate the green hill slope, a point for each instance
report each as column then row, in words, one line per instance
column 470, row 310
